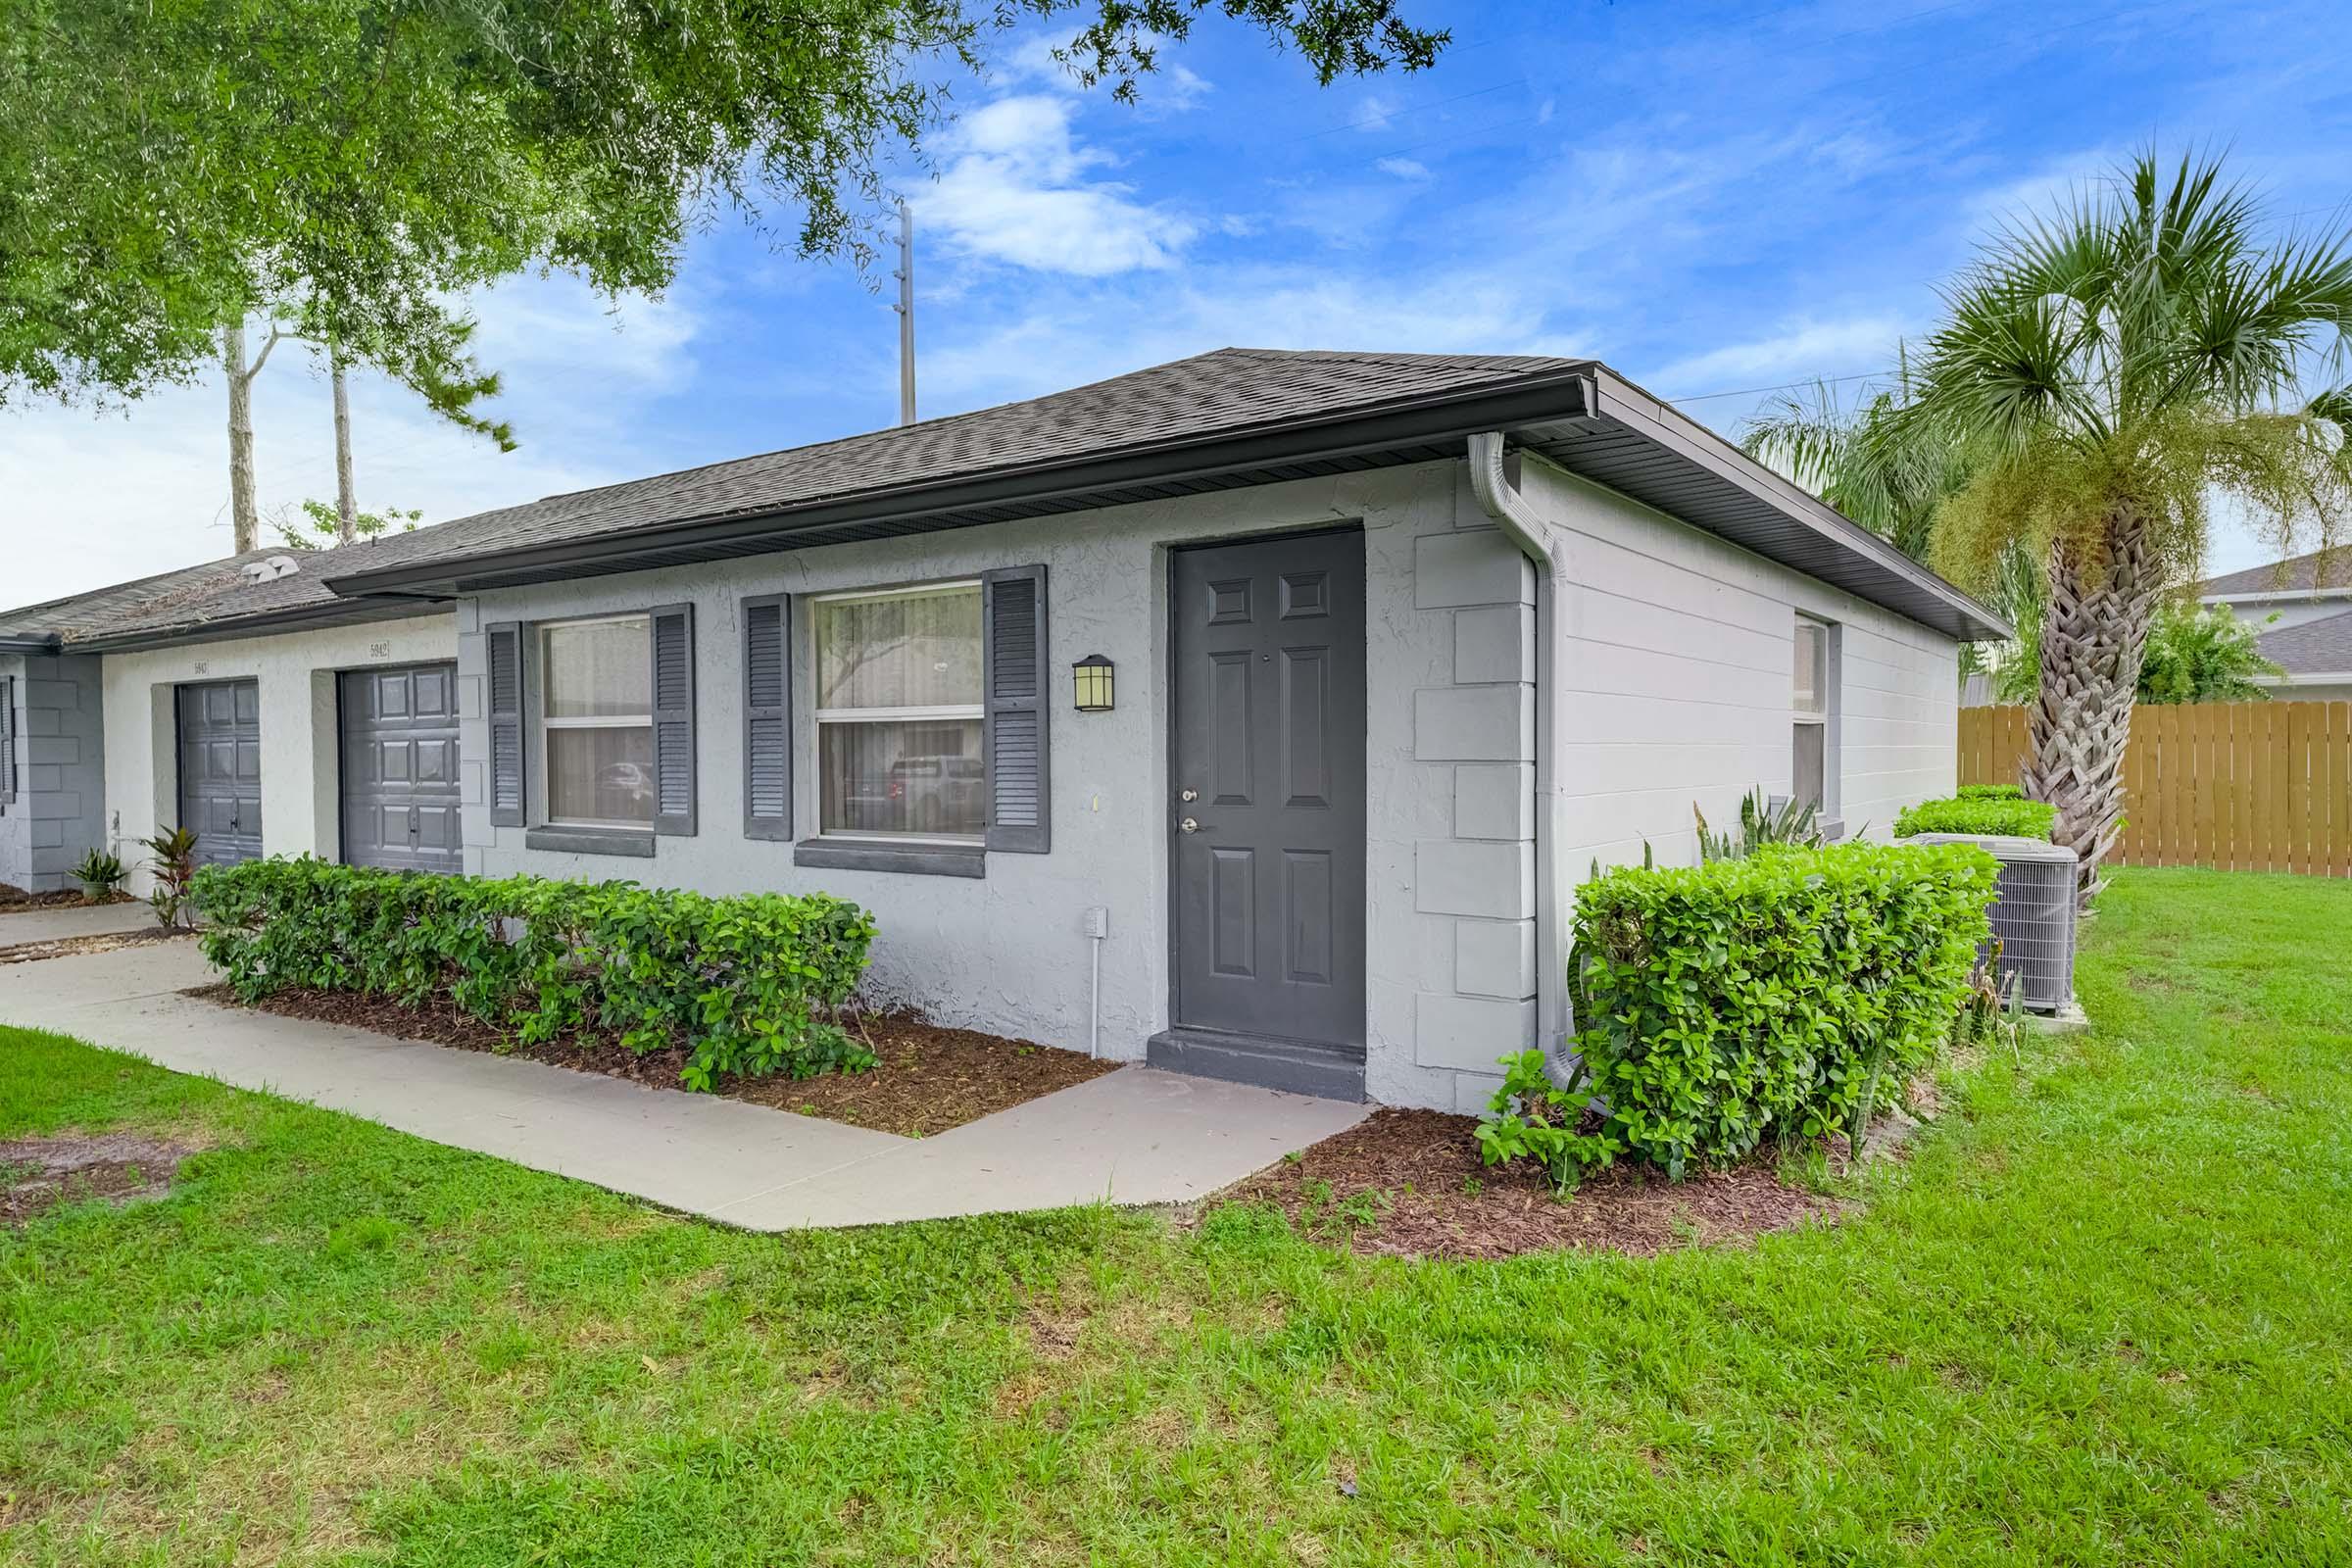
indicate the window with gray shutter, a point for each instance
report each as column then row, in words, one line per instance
column 8, row 740
column 673, row 717
column 767, row 718
column 505, row 643
column 1016, row 739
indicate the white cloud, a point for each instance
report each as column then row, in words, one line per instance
column 1373, row 112
column 1799, row 350
column 1017, row 189
column 1402, row 168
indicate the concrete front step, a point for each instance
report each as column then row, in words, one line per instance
column 1294, row 1066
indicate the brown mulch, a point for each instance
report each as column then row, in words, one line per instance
column 99, row 942
column 14, row 899
column 931, row 1078
column 40, row 1173
column 1408, row 1184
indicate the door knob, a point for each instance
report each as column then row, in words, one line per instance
column 1188, row 825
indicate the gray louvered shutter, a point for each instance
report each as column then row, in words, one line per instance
column 505, row 643
column 1015, row 738
column 767, row 718
column 673, row 719
column 8, row 740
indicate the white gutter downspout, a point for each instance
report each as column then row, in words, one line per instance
column 1500, row 499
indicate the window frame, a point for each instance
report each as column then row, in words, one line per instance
column 975, row 711
column 1823, row 717
column 542, row 723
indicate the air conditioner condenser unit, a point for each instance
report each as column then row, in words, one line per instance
column 2032, row 914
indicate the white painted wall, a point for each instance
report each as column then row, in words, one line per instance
column 295, row 680
column 2288, row 609
column 1676, row 680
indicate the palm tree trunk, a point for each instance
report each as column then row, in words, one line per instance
column 2093, row 633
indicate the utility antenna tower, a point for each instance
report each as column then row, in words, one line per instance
column 905, row 309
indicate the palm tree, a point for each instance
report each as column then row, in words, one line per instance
column 2106, row 369
column 1887, row 472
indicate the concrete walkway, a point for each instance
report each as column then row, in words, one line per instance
column 21, row 927
column 1135, row 1136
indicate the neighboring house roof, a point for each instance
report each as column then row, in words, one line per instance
column 2321, row 646
column 2293, row 577
column 1219, row 420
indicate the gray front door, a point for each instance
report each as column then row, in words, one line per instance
column 221, row 769
column 1268, row 735
column 400, row 767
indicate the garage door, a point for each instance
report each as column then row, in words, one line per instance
column 221, row 769
column 400, row 767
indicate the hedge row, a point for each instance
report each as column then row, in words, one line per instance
column 1993, row 792
column 1998, row 815
column 1724, row 1004
column 746, row 983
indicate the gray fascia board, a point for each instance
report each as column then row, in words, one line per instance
column 334, row 613
column 1678, row 433
column 1560, row 395
column 44, row 641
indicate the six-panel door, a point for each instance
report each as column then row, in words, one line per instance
column 1268, row 735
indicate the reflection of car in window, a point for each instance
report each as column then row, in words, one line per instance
column 632, row 782
column 919, row 794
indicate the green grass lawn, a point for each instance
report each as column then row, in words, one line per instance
column 2103, row 1314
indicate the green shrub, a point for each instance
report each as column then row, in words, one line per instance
column 1535, row 1118
column 1721, row 1005
column 1993, row 792
column 2018, row 818
column 739, row 981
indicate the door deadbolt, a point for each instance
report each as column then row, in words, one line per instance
column 1188, row 795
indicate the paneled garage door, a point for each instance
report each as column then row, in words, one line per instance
column 221, row 769
column 400, row 767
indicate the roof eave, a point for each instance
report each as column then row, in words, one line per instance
column 264, row 623
column 1928, row 598
column 35, row 642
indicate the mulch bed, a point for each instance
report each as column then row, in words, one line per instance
column 930, row 1079
column 14, row 899
column 1408, row 1184
column 98, row 941
column 40, row 1173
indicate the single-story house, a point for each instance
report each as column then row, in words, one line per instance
column 1254, row 714
column 2304, row 607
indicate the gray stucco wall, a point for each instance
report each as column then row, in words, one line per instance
column 60, row 811
column 1449, row 740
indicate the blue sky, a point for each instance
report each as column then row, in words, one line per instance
column 1713, row 197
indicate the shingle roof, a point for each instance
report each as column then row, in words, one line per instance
column 1221, row 392
column 188, row 598
column 2321, row 646
column 2295, row 574
column 1218, row 419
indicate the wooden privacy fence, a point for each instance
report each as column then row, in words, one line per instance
column 2239, row 786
